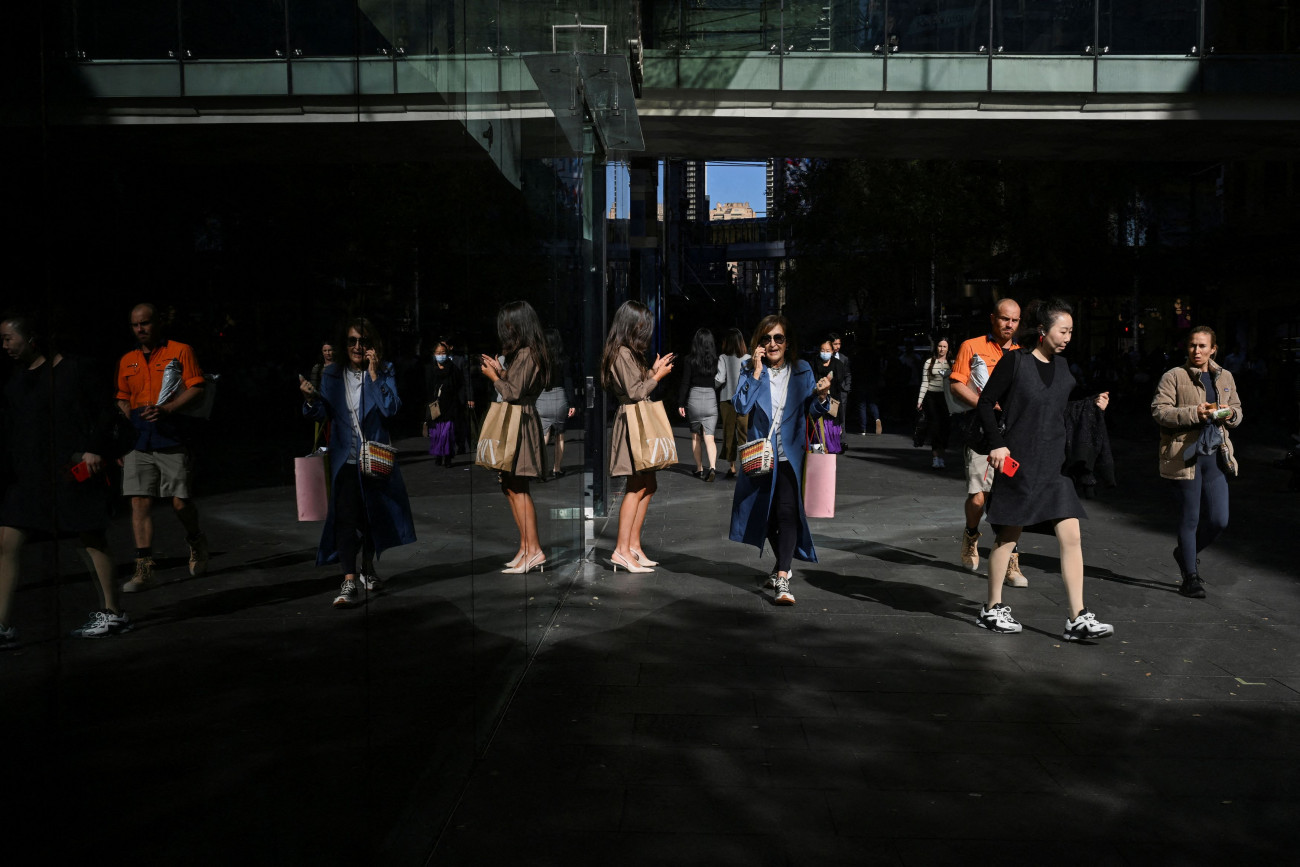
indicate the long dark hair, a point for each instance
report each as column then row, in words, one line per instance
column 734, row 343
column 704, row 353
column 632, row 328
column 934, row 347
column 369, row 335
column 519, row 328
column 555, row 346
column 766, row 324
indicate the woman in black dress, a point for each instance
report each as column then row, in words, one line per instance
column 58, row 436
column 1033, row 388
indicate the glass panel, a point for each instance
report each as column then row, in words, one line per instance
column 1043, row 26
column 324, row 28
column 1252, row 26
column 220, row 29
column 1150, row 27
column 720, row 25
column 940, row 25
column 133, row 30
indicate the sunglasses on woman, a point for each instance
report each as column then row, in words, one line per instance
column 774, row 339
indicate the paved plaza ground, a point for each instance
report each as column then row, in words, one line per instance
column 678, row 717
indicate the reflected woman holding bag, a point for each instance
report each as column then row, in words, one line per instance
column 367, row 513
column 624, row 374
column 525, row 374
column 778, row 392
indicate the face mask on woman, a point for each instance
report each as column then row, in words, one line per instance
column 440, row 358
column 826, row 356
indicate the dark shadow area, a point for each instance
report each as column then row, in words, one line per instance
column 757, row 738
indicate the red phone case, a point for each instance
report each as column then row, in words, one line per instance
column 1009, row 466
column 80, row 471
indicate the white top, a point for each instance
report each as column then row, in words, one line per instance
column 779, row 385
column 352, row 391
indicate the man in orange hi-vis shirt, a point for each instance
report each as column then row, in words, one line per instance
column 974, row 364
column 153, row 383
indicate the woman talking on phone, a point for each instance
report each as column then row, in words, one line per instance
column 1033, row 388
column 778, row 392
column 1195, row 406
column 367, row 514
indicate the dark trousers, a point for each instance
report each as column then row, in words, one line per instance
column 783, row 519
column 351, row 521
column 937, row 421
column 1205, row 510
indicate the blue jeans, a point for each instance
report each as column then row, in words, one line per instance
column 1204, row 510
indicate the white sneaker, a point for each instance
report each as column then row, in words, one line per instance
column 997, row 619
column 1085, row 626
column 783, row 594
column 103, row 623
column 349, row 594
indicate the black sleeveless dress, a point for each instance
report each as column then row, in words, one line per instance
column 1034, row 416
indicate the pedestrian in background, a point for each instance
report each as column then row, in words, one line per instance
column 725, row 379
column 624, row 374
column 841, row 386
column 367, row 514
column 933, row 401
column 555, row 404
column 519, row 375
column 58, row 437
column 975, row 362
column 1196, row 405
column 154, row 383
column 778, row 393
column 828, row 366
column 442, row 384
column 1033, row 389
column 697, row 402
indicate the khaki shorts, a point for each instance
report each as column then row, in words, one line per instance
column 976, row 469
column 161, row 473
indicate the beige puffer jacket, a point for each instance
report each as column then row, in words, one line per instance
column 1174, row 408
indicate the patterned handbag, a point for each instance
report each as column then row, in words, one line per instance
column 377, row 459
column 758, row 457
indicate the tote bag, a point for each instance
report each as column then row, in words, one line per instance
column 819, row 478
column 650, row 436
column 498, row 438
column 309, row 475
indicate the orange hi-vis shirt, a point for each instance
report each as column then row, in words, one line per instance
column 139, row 379
column 986, row 347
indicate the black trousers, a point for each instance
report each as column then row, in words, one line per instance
column 783, row 519
column 350, row 521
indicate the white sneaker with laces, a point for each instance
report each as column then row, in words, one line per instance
column 1085, row 626
column 783, row 594
column 998, row 619
column 349, row 594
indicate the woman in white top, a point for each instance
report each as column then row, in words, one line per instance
column 733, row 355
column 933, row 401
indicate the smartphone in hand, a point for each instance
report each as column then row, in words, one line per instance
column 80, row 471
column 1009, row 466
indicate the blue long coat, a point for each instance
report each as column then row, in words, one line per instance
column 387, row 506
column 752, row 502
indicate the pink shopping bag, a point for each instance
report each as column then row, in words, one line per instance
column 819, row 485
column 309, row 475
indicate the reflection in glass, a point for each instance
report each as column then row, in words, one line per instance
column 939, row 25
column 220, row 29
column 1043, row 26
column 136, row 30
column 1251, row 26
column 1153, row 27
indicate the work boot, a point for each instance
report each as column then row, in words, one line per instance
column 1015, row 577
column 143, row 577
column 198, row 556
column 1193, row 587
column 970, row 555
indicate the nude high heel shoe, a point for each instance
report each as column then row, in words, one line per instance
column 641, row 558
column 537, row 561
column 615, row 560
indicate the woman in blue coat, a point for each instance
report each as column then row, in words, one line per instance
column 359, row 398
column 778, row 392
